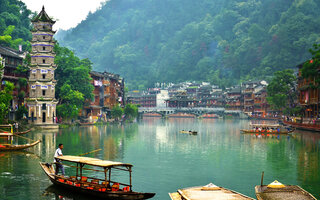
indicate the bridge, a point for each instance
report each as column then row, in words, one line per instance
column 197, row 111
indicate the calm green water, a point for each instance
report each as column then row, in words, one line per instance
column 165, row 160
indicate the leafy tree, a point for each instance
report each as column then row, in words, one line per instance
column 310, row 69
column 5, row 98
column 22, row 110
column 131, row 111
column 72, row 71
column 116, row 112
column 281, row 90
column 71, row 102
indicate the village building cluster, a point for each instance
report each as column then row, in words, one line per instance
column 249, row 97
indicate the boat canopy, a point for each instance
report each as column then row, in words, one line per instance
column 92, row 161
column 265, row 125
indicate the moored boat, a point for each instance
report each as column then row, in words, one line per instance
column 12, row 147
column 94, row 186
column 207, row 192
column 276, row 190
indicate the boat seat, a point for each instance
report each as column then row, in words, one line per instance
column 95, row 181
column 84, row 179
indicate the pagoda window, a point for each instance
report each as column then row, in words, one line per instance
column 43, row 93
column 43, row 48
column 43, row 61
column 43, row 76
column 44, row 37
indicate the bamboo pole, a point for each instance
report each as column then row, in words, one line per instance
column 130, row 172
column 262, row 178
column 89, row 152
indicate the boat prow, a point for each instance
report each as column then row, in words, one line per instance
column 282, row 193
column 209, row 191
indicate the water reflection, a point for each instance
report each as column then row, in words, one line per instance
column 165, row 159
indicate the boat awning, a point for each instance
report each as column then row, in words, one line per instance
column 92, row 161
column 265, row 125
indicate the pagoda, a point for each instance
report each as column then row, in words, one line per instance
column 41, row 101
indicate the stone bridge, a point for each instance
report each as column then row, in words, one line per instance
column 197, row 111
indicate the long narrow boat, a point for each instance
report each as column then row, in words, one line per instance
column 12, row 147
column 94, row 186
column 267, row 129
column 209, row 192
column 282, row 192
column 265, row 132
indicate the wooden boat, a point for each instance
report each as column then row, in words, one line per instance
column 22, row 132
column 11, row 147
column 265, row 192
column 189, row 132
column 94, row 186
column 267, row 129
column 209, row 192
column 302, row 126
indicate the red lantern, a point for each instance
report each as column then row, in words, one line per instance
column 311, row 61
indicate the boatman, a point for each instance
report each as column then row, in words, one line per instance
column 57, row 161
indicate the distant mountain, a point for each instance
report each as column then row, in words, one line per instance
column 220, row 41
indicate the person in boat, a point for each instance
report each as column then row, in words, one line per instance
column 57, row 161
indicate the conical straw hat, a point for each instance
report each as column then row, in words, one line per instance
column 276, row 184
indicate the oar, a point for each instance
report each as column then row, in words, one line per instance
column 90, row 152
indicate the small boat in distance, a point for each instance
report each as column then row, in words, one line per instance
column 209, row 191
column 277, row 190
column 267, row 129
column 189, row 132
column 94, row 186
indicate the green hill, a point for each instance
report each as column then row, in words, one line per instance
column 220, row 41
column 14, row 24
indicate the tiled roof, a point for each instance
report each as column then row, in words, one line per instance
column 43, row 17
column 7, row 51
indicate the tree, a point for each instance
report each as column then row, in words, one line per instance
column 281, row 90
column 5, row 98
column 310, row 69
column 71, row 101
column 131, row 111
column 72, row 71
column 116, row 112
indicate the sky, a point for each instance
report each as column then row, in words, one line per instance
column 67, row 13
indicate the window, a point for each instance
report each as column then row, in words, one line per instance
column 43, row 60
column 44, row 106
column 44, row 37
column 43, row 48
column 43, row 76
column 44, row 27
column 43, row 93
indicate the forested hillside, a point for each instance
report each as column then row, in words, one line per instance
column 220, row 41
column 14, row 24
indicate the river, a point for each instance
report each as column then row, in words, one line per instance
column 165, row 160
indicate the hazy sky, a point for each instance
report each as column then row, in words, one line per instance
column 68, row 13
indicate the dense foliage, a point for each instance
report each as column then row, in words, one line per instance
column 116, row 112
column 310, row 69
column 205, row 40
column 5, row 98
column 14, row 24
column 281, row 91
column 74, row 82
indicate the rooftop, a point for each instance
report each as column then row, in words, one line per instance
column 42, row 17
